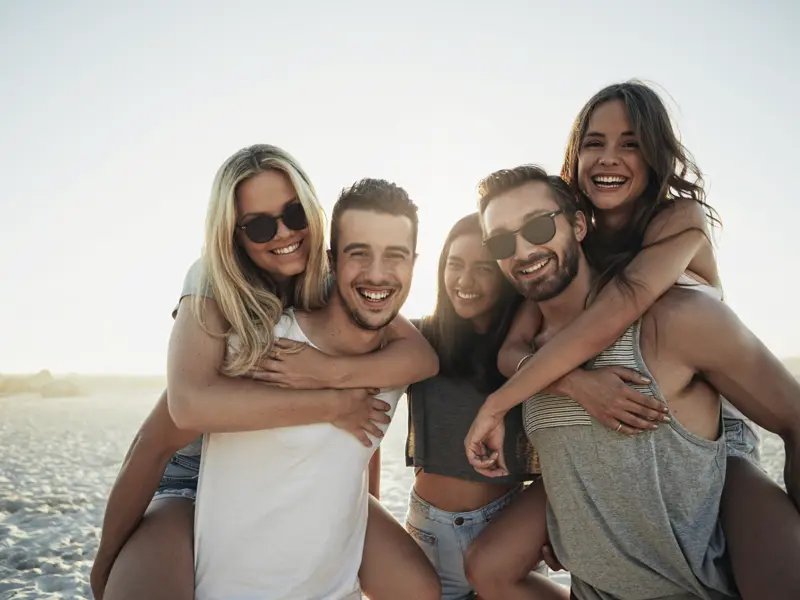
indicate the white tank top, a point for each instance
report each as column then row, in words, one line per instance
column 281, row 513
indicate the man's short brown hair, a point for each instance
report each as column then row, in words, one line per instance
column 505, row 180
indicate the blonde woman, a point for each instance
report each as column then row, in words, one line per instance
column 264, row 252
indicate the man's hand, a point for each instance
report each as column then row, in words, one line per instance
column 359, row 412
column 484, row 444
column 298, row 366
column 606, row 395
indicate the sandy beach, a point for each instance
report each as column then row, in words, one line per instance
column 59, row 457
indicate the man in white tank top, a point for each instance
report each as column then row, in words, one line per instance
column 281, row 513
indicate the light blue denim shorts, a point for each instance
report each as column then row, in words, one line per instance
column 445, row 536
column 180, row 478
column 742, row 440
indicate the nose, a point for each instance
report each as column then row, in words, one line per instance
column 523, row 248
column 376, row 271
column 609, row 157
column 283, row 231
column 466, row 280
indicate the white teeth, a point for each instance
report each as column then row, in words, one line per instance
column 465, row 296
column 535, row 266
column 286, row 249
column 375, row 296
column 609, row 180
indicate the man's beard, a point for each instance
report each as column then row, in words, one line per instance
column 541, row 291
column 362, row 324
column 353, row 312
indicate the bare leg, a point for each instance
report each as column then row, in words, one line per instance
column 393, row 566
column 499, row 562
column 157, row 562
column 762, row 529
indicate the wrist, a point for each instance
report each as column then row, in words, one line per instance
column 495, row 406
column 564, row 386
column 337, row 375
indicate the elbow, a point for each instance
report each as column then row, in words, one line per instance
column 185, row 409
column 433, row 366
column 504, row 364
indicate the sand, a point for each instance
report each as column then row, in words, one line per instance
column 59, row 457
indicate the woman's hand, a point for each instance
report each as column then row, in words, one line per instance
column 360, row 412
column 605, row 394
column 484, row 444
column 303, row 369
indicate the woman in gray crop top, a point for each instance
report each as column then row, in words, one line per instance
column 450, row 503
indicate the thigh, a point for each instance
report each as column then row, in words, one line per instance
column 762, row 530
column 393, row 566
column 511, row 544
column 157, row 562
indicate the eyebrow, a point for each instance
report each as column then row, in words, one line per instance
column 528, row 216
column 258, row 214
column 602, row 135
column 363, row 246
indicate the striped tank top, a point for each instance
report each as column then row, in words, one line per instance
column 631, row 517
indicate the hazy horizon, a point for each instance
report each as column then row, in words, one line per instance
column 117, row 117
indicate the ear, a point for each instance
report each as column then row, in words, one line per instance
column 580, row 227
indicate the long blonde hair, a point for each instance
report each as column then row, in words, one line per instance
column 246, row 295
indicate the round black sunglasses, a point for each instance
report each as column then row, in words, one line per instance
column 264, row 227
column 537, row 230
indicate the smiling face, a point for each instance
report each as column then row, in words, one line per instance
column 539, row 271
column 374, row 265
column 611, row 169
column 270, row 193
column 472, row 280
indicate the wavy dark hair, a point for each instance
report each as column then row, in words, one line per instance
column 462, row 352
column 673, row 175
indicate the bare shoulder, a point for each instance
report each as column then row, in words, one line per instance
column 689, row 320
column 677, row 217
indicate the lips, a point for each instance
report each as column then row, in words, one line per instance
column 375, row 295
column 532, row 268
column 467, row 296
column 288, row 249
column 609, row 181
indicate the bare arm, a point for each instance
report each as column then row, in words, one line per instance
column 156, row 441
column 519, row 341
column 738, row 365
column 375, row 474
column 202, row 399
column 655, row 270
column 407, row 358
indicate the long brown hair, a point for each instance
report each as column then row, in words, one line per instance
column 673, row 175
column 454, row 338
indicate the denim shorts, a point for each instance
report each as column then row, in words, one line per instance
column 445, row 536
column 180, row 478
column 742, row 440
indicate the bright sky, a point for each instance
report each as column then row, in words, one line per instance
column 115, row 118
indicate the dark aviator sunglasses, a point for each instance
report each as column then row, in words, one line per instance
column 538, row 230
column 264, row 227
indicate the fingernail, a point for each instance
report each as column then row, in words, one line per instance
column 666, row 419
column 653, row 426
column 645, row 380
column 665, row 409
